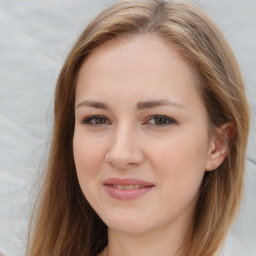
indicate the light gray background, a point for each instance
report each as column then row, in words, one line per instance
column 35, row 37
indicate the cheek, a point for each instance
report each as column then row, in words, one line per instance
column 180, row 176
column 88, row 156
column 181, row 162
column 181, row 151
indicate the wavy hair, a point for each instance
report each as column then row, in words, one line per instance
column 63, row 222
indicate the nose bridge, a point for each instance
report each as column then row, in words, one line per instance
column 124, row 150
column 123, row 135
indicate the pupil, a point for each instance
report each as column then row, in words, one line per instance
column 160, row 120
column 100, row 120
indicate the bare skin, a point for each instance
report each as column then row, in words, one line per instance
column 139, row 115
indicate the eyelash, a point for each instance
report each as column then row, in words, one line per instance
column 166, row 119
column 88, row 120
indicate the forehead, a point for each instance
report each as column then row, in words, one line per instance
column 135, row 64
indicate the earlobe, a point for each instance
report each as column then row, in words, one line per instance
column 219, row 146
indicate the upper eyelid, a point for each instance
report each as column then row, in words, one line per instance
column 163, row 116
column 88, row 118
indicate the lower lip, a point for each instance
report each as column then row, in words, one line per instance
column 130, row 194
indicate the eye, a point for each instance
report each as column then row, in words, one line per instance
column 95, row 120
column 160, row 120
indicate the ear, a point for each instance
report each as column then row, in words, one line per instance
column 218, row 149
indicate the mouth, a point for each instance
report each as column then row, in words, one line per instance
column 127, row 189
column 130, row 187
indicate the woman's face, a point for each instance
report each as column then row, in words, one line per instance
column 141, row 140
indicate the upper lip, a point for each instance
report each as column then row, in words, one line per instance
column 126, row 182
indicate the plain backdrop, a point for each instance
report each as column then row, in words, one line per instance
column 35, row 37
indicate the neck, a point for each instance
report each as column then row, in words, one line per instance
column 166, row 242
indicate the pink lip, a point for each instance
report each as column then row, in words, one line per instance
column 122, row 194
column 126, row 182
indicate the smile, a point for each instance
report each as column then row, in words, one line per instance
column 127, row 189
column 130, row 187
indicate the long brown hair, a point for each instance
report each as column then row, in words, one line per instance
column 63, row 222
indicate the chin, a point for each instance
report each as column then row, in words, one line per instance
column 127, row 223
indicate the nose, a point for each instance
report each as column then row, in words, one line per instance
column 124, row 151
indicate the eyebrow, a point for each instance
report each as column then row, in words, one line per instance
column 158, row 103
column 92, row 104
column 140, row 105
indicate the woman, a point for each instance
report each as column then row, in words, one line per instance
column 150, row 133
